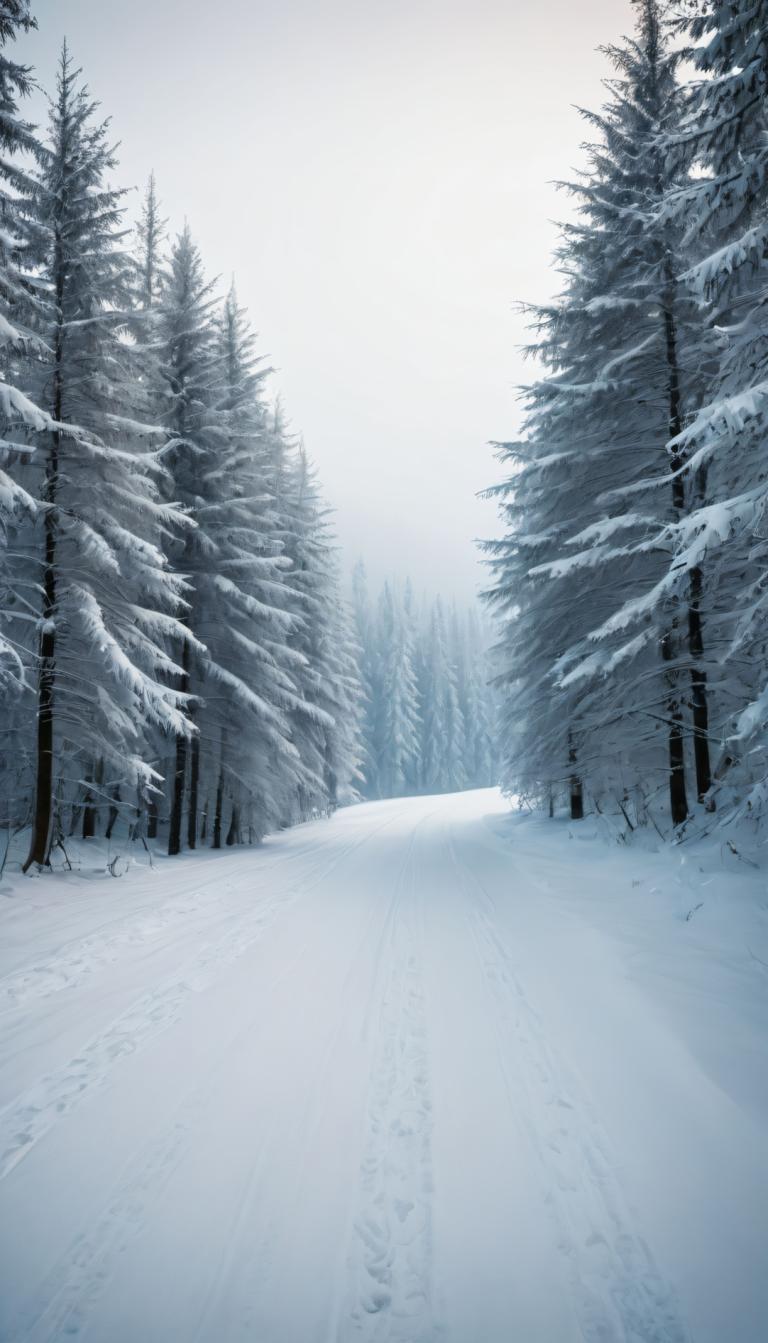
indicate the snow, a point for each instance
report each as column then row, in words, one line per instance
column 426, row 1071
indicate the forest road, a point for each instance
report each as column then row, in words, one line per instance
column 381, row 1080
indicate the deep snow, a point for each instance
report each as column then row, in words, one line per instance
column 426, row 1071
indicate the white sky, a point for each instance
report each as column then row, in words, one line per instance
column 378, row 176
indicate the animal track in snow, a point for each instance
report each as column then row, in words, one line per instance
column 391, row 1257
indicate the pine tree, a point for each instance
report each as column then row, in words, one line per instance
column 368, row 670
column 724, row 136
column 326, row 709
column 190, row 369
column 108, row 599
column 442, row 763
column 247, row 623
column 586, row 504
column 398, row 726
column 20, row 250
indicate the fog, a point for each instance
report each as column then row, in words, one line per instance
column 379, row 178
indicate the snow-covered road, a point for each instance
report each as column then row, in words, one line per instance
column 419, row 1073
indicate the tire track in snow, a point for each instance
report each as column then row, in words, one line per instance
column 75, row 961
column 257, row 1268
column 618, row 1292
column 71, row 1290
column 28, row 1118
column 390, row 1262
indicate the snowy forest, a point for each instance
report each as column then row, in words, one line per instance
column 631, row 580
column 174, row 648
column 429, row 708
column 383, row 918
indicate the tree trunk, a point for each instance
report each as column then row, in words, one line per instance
column 39, row 848
column 194, row 790
column 678, row 799
column 575, row 786
column 216, row 843
column 90, row 805
column 41, row 825
column 114, row 812
column 152, row 816
column 180, row 769
column 699, row 704
column 233, row 834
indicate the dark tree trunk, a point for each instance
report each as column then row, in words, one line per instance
column 216, row 843
column 699, row 703
column 40, row 842
column 204, row 820
column 152, row 816
column 90, row 807
column 114, row 812
column 194, row 790
column 678, row 799
column 575, row 786
column 180, row 768
column 233, row 834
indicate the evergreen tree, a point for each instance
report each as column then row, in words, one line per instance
column 325, row 712
column 442, row 763
column 722, row 449
column 108, row 598
column 398, row 727
column 368, row 666
column 20, row 304
column 626, row 356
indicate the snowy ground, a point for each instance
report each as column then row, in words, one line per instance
column 423, row 1072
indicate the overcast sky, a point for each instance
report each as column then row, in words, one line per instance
column 378, row 176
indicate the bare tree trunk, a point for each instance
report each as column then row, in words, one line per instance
column 90, row 805
column 194, row 790
column 180, row 769
column 700, row 712
column 41, row 825
column 233, row 834
column 575, row 785
column 152, row 816
column 114, row 812
column 678, row 799
column 699, row 701
column 40, row 842
column 216, row 842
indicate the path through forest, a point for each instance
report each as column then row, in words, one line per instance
column 419, row 1073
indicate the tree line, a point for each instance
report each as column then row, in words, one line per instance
column 632, row 576
column 174, row 649
column 429, row 710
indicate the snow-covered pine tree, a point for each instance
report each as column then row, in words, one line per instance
column 397, row 735
column 325, row 716
column 368, row 667
column 410, row 624
column 248, row 759
column 20, row 250
column 108, row 598
column 476, row 699
column 190, row 368
column 619, row 346
column 721, row 450
column 443, row 728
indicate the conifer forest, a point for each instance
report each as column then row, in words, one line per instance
column 383, row 671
